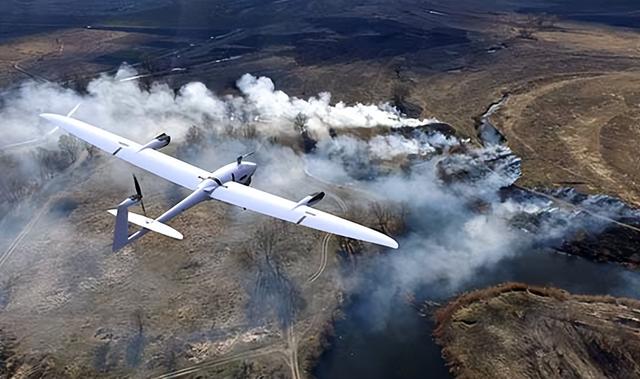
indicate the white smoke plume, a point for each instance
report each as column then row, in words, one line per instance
column 124, row 107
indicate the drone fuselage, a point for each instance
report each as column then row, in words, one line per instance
column 234, row 172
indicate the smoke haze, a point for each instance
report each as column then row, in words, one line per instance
column 125, row 108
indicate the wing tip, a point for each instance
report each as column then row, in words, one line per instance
column 390, row 242
column 384, row 240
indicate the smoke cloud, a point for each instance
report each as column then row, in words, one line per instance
column 124, row 107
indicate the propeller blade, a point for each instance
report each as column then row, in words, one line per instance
column 144, row 211
column 137, row 185
column 240, row 158
column 139, row 194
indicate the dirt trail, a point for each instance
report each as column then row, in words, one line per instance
column 249, row 354
column 24, row 232
column 324, row 252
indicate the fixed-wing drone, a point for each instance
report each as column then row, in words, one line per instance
column 229, row 184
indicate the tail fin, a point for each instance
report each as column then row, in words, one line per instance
column 121, row 231
column 121, row 235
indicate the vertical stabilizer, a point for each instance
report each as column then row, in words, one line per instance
column 121, row 231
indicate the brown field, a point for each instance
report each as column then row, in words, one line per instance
column 519, row 331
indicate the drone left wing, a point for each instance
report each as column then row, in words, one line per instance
column 164, row 166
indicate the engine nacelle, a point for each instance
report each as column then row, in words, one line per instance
column 311, row 199
column 157, row 143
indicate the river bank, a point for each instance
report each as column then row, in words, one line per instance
column 514, row 330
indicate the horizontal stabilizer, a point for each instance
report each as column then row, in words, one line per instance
column 153, row 225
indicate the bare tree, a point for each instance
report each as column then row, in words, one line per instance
column 12, row 189
column 400, row 93
column 267, row 238
column 349, row 248
column 546, row 21
column 50, row 162
column 389, row 216
column 138, row 319
column 70, row 146
column 10, row 170
column 265, row 248
column 300, row 122
column 308, row 144
column 194, row 136
column 91, row 150
column 532, row 23
column 526, row 33
column 148, row 66
column 249, row 131
column 78, row 82
column 45, row 161
column 273, row 292
column 7, row 352
column 193, row 143
column 246, row 130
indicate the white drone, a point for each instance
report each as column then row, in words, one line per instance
column 229, row 183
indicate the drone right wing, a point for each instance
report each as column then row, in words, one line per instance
column 301, row 214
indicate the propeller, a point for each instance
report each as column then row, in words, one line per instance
column 240, row 158
column 138, row 195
